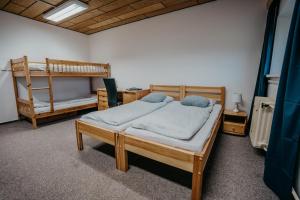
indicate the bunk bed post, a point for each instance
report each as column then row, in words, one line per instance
column 14, row 79
column 29, row 90
column 197, row 178
column 50, row 86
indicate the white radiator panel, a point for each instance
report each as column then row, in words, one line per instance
column 261, row 122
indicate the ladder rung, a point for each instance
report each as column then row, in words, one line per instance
column 41, row 88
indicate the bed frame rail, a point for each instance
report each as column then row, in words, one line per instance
column 172, row 156
column 24, row 107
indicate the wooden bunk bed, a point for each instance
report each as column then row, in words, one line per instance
column 21, row 67
column 190, row 161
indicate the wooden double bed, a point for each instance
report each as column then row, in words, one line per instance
column 191, row 161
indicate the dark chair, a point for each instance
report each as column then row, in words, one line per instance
column 112, row 92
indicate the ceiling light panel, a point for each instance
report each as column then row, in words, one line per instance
column 65, row 10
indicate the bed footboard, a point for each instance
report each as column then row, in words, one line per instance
column 24, row 108
column 102, row 134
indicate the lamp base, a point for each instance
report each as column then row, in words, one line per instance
column 236, row 108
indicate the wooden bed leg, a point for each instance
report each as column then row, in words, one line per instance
column 117, row 157
column 34, row 123
column 122, row 154
column 197, row 178
column 79, row 138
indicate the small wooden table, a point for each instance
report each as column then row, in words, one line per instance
column 235, row 122
column 125, row 96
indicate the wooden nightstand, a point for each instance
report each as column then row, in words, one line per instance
column 133, row 95
column 125, row 95
column 235, row 123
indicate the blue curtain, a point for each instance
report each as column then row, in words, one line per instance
column 281, row 158
column 266, row 55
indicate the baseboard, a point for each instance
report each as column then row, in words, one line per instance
column 296, row 197
column 2, row 123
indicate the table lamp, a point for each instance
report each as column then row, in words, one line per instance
column 236, row 99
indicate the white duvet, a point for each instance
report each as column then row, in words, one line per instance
column 124, row 113
column 175, row 120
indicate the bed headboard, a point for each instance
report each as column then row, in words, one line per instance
column 216, row 93
column 174, row 91
column 181, row 91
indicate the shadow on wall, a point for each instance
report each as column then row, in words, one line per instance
column 8, row 110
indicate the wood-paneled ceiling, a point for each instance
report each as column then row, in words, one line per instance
column 101, row 14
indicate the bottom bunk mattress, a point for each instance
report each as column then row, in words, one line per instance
column 43, row 107
column 196, row 143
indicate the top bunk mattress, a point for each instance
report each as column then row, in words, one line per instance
column 196, row 143
column 65, row 68
column 43, row 107
column 37, row 66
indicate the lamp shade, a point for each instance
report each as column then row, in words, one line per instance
column 237, row 98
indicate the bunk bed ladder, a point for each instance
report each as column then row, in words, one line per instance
column 29, row 90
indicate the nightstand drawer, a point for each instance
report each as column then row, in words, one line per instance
column 104, row 99
column 234, row 128
column 102, row 94
column 102, row 105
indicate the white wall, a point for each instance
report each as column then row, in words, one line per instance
column 215, row 44
column 218, row 43
column 20, row 36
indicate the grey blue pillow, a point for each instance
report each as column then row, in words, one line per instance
column 198, row 101
column 154, row 97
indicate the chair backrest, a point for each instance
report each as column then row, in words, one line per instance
column 112, row 93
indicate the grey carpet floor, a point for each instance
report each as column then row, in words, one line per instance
column 44, row 164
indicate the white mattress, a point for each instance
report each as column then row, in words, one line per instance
column 37, row 66
column 124, row 108
column 42, row 107
column 196, row 143
column 64, row 68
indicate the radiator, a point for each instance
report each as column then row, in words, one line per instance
column 261, row 122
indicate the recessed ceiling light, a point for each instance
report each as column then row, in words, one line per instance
column 65, row 10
